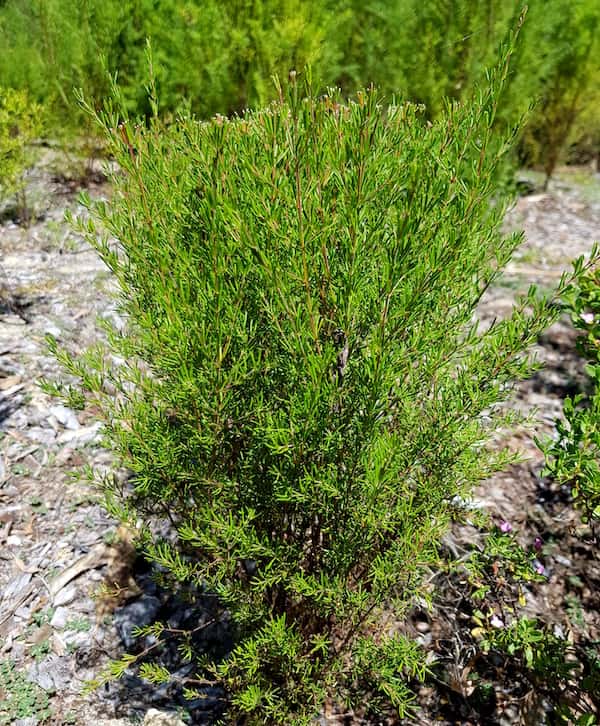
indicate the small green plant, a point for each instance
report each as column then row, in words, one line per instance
column 560, row 675
column 38, row 505
column 110, row 537
column 19, row 698
column 20, row 470
column 20, row 124
column 43, row 616
column 568, row 675
column 302, row 391
column 40, row 650
column 78, row 625
column 574, row 457
column 497, row 570
column 541, row 651
column 575, row 610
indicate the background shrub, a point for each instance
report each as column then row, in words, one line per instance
column 301, row 391
column 20, row 124
column 566, row 64
column 219, row 57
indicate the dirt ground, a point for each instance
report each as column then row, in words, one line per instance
column 57, row 546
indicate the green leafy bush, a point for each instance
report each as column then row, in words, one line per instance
column 552, row 676
column 20, row 124
column 214, row 56
column 300, row 391
column 574, row 458
column 427, row 51
column 567, row 675
column 431, row 51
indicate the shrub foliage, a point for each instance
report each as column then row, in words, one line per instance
column 300, row 390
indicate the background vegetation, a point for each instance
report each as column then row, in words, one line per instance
column 20, row 124
column 219, row 57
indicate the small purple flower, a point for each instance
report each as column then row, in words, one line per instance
column 496, row 622
column 537, row 544
column 505, row 527
column 539, row 568
column 587, row 318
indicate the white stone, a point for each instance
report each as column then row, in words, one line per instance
column 64, row 596
column 53, row 330
column 162, row 718
column 65, row 416
column 60, row 618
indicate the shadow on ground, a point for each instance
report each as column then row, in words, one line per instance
column 183, row 610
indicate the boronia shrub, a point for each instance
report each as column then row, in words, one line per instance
column 300, row 391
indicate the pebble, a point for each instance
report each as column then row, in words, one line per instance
column 23, row 612
column 40, row 435
column 65, row 416
column 564, row 561
column 18, row 650
column 83, row 435
column 17, row 586
column 52, row 674
column 75, row 639
column 59, row 647
column 53, row 330
column 65, row 596
column 162, row 718
column 60, row 617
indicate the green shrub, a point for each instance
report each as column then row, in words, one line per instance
column 574, row 458
column 20, row 124
column 431, row 51
column 567, row 675
column 427, row 52
column 563, row 676
column 220, row 56
column 51, row 46
column 566, row 64
column 301, row 391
